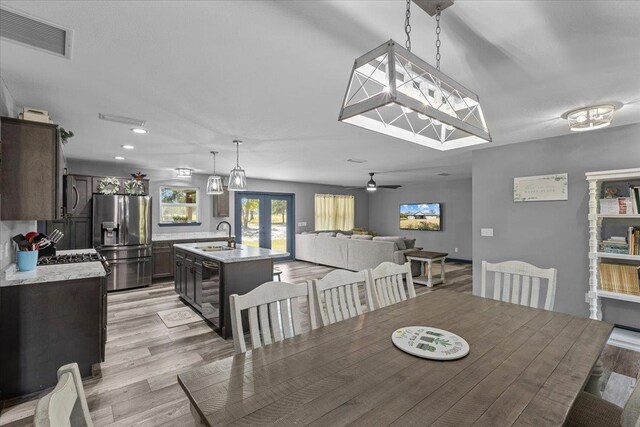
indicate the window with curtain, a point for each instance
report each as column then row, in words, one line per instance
column 335, row 212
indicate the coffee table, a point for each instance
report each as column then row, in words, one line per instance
column 427, row 258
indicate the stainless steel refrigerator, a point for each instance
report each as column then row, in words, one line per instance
column 122, row 234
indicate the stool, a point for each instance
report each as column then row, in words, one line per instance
column 276, row 274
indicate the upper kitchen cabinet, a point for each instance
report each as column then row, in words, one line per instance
column 32, row 168
column 78, row 194
column 221, row 204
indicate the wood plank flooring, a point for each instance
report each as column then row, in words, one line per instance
column 137, row 384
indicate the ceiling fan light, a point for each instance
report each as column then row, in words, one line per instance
column 371, row 188
column 413, row 86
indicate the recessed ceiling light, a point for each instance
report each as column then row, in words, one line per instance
column 138, row 130
column 119, row 158
column 128, row 147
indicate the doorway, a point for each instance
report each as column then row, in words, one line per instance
column 265, row 220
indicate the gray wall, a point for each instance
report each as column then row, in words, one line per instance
column 455, row 195
column 304, row 194
column 10, row 228
column 549, row 234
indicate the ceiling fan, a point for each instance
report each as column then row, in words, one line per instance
column 373, row 186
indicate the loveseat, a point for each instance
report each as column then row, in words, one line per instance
column 351, row 252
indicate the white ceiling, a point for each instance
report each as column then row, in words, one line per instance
column 273, row 73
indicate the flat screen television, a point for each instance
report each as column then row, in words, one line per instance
column 420, row 216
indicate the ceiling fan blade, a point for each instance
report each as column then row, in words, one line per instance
column 393, row 187
column 354, row 188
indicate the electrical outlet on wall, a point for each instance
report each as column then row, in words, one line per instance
column 455, row 250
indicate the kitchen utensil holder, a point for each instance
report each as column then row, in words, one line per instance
column 27, row 260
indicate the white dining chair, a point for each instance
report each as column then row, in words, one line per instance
column 66, row 405
column 337, row 295
column 387, row 282
column 519, row 283
column 273, row 311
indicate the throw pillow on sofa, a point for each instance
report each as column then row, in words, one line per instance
column 361, row 237
column 343, row 236
column 399, row 241
column 410, row 243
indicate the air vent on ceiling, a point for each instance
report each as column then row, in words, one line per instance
column 23, row 29
column 122, row 119
column 356, row 161
column 444, row 174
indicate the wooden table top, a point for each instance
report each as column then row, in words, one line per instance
column 426, row 254
column 526, row 367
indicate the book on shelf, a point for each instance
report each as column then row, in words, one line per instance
column 617, row 206
column 633, row 238
column 620, row 278
column 634, row 195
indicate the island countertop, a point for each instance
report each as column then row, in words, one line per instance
column 198, row 235
column 239, row 254
column 53, row 273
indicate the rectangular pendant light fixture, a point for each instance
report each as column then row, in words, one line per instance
column 394, row 92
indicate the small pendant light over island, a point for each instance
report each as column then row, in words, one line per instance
column 237, row 177
column 214, row 183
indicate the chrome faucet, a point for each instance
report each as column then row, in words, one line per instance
column 231, row 242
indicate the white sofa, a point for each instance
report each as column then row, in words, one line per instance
column 346, row 253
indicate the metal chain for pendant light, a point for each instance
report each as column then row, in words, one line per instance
column 407, row 26
column 438, row 38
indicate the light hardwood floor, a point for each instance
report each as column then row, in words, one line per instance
column 137, row 383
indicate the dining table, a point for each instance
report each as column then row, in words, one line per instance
column 526, row 366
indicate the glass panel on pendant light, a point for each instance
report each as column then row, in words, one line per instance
column 237, row 179
column 214, row 185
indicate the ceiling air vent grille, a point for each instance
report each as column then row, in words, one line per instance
column 27, row 31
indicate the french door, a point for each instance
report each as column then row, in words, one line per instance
column 265, row 220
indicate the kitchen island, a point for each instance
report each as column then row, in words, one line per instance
column 206, row 273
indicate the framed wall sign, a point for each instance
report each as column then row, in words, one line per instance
column 541, row 188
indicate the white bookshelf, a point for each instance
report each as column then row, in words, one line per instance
column 596, row 181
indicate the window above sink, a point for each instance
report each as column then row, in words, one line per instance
column 179, row 205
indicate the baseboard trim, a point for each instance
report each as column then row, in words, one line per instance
column 462, row 261
column 625, row 338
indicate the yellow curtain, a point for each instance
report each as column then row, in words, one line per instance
column 334, row 212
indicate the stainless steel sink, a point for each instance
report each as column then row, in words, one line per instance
column 214, row 248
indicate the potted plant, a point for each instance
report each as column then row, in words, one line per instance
column 65, row 135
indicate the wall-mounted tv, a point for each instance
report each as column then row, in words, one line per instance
column 420, row 216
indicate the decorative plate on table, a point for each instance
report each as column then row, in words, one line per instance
column 109, row 186
column 430, row 343
column 134, row 187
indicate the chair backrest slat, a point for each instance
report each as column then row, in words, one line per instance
column 519, row 283
column 273, row 312
column 337, row 295
column 66, row 405
column 388, row 281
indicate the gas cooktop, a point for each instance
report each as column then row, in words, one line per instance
column 70, row 259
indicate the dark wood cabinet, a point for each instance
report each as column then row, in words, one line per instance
column 207, row 284
column 77, row 232
column 31, row 170
column 78, row 192
column 179, row 275
column 46, row 325
column 221, row 204
column 163, row 265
